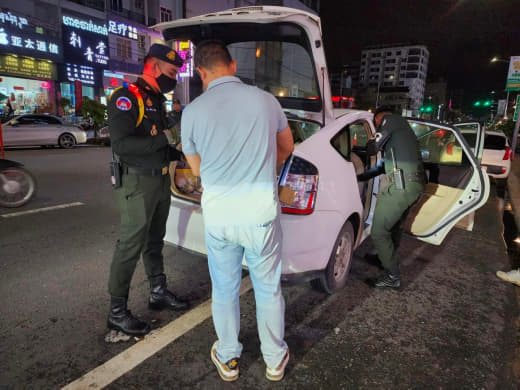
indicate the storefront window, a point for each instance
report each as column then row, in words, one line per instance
column 27, row 96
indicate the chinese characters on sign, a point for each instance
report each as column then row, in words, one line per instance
column 85, row 45
column 32, row 44
column 124, row 30
column 29, row 67
column 85, row 74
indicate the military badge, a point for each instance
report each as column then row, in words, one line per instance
column 153, row 131
column 123, row 103
column 171, row 55
column 149, row 102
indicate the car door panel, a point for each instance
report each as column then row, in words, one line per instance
column 456, row 186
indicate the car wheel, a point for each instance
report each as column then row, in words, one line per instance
column 66, row 141
column 17, row 187
column 335, row 275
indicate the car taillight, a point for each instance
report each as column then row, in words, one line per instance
column 300, row 184
column 507, row 154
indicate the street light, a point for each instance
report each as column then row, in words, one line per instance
column 493, row 60
column 391, row 77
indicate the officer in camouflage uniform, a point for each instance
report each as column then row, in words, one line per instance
column 143, row 198
column 401, row 152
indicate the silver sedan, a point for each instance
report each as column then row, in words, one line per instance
column 41, row 130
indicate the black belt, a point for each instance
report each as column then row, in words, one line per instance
column 145, row 171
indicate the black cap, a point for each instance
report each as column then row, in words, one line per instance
column 166, row 54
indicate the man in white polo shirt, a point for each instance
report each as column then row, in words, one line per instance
column 234, row 136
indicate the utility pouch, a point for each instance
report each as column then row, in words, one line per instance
column 115, row 171
column 397, row 174
column 398, row 179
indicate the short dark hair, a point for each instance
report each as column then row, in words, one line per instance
column 210, row 53
column 385, row 109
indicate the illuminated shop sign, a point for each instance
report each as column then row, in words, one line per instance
column 17, row 40
column 122, row 29
column 85, row 74
column 83, row 25
column 13, row 20
column 84, row 47
column 27, row 67
column 185, row 50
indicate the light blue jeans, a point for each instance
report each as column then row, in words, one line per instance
column 261, row 245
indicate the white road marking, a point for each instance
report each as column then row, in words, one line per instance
column 119, row 365
column 34, row 211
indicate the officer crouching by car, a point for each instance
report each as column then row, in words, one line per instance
column 400, row 187
column 141, row 154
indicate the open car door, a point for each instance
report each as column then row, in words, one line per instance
column 473, row 133
column 456, row 184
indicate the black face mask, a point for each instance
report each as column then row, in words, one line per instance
column 165, row 83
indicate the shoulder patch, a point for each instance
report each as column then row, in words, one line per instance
column 123, row 103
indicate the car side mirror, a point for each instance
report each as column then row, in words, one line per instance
column 371, row 147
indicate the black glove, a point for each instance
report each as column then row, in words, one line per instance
column 371, row 147
column 372, row 172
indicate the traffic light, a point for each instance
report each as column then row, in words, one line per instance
column 426, row 108
column 487, row 103
column 477, row 103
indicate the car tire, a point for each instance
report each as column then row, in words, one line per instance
column 335, row 276
column 66, row 141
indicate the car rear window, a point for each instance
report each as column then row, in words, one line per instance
column 494, row 142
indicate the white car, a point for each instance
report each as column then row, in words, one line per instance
column 41, row 130
column 496, row 154
column 326, row 213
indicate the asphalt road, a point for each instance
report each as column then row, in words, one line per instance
column 451, row 325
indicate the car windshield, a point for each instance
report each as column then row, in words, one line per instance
column 282, row 68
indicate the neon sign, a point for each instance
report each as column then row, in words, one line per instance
column 85, row 74
column 122, row 29
column 185, row 50
column 13, row 19
column 84, row 25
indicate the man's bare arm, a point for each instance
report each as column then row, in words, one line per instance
column 194, row 163
column 284, row 145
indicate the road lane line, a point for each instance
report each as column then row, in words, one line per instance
column 34, row 211
column 130, row 358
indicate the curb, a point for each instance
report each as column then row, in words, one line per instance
column 513, row 188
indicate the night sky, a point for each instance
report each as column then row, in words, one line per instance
column 461, row 35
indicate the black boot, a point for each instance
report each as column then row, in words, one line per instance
column 161, row 298
column 121, row 319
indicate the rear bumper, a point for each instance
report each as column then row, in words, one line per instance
column 498, row 171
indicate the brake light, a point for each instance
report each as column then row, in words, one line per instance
column 507, row 154
column 299, row 185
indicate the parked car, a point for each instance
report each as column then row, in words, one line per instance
column 496, row 154
column 326, row 213
column 104, row 135
column 41, row 130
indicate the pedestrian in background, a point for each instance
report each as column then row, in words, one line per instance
column 234, row 135
column 140, row 138
column 404, row 173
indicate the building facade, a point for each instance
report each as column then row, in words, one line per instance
column 54, row 49
column 395, row 70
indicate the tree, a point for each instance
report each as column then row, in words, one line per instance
column 94, row 110
column 507, row 127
